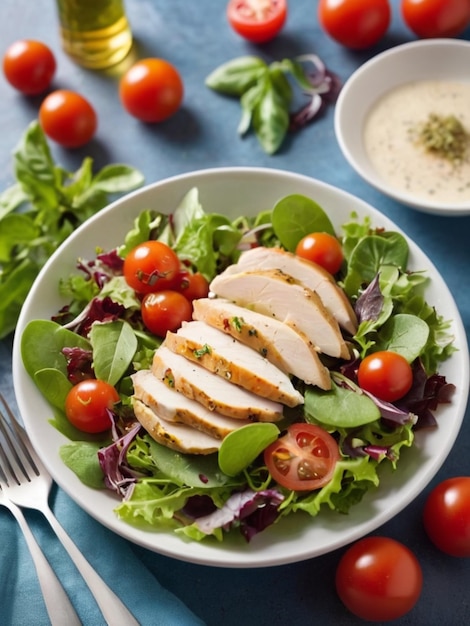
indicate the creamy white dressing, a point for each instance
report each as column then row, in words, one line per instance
column 396, row 156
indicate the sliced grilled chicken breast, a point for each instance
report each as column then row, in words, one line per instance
column 212, row 391
column 234, row 361
column 274, row 293
column 309, row 274
column 172, row 406
column 290, row 351
column 172, row 435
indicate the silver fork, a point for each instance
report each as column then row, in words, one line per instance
column 27, row 484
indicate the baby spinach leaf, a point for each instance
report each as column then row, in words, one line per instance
column 82, row 458
column 114, row 345
column 295, row 216
column 42, row 342
column 405, row 334
column 54, row 386
column 340, row 407
column 243, row 445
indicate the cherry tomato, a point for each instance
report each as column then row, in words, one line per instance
column 88, row 403
column 165, row 310
column 386, row 375
column 379, row 579
column 257, row 20
column 151, row 90
column 356, row 24
column 29, row 66
column 68, row 118
column 323, row 249
column 447, row 516
column 192, row 285
column 303, row 459
column 436, row 18
column 151, row 266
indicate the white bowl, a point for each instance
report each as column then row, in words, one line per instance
column 236, row 191
column 426, row 60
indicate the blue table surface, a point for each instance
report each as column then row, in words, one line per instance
column 196, row 37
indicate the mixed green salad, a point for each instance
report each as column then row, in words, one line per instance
column 100, row 334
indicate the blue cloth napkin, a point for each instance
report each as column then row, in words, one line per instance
column 111, row 556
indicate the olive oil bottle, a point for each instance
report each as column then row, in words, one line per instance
column 95, row 33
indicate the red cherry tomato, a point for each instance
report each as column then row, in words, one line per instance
column 356, row 24
column 151, row 90
column 257, row 20
column 436, row 18
column 68, row 118
column 192, row 286
column 165, row 310
column 151, row 266
column 323, row 249
column 303, row 459
column 29, row 66
column 379, row 579
column 386, row 375
column 88, row 403
column 447, row 516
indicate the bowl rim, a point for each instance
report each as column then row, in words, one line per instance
column 427, row 206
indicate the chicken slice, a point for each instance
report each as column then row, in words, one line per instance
column 309, row 274
column 278, row 295
column 290, row 351
column 225, row 356
column 178, row 437
column 210, row 390
column 172, row 406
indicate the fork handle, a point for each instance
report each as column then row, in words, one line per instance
column 58, row 605
column 111, row 606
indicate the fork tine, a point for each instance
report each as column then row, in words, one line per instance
column 17, row 461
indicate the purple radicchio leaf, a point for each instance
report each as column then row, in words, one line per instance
column 325, row 87
column 370, row 303
column 103, row 268
column 253, row 510
column 119, row 476
column 425, row 395
column 79, row 364
column 97, row 310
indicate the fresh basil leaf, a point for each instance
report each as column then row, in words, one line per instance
column 270, row 120
column 14, row 287
column 16, row 230
column 235, row 77
column 248, row 102
column 12, row 198
column 295, row 216
column 114, row 345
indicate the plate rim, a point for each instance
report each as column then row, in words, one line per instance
column 223, row 557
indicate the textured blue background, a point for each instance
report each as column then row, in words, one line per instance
column 195, row 37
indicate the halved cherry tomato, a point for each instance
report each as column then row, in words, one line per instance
column 165, row 311
column 386, row 375
column 68, row 118
column 303, row 459
column 151, row 90
column 192, row 285
column 323, row 249
column 356, row 24
column 151, row 266
column 436, row 18
column 257, row 20
column 29, row 66
column 88, row 403
column 447, row 516
column 379, row 579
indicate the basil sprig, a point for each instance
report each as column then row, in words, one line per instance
column 266, row 94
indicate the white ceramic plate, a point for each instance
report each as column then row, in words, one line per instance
column 430, row 59
column 238, row 191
